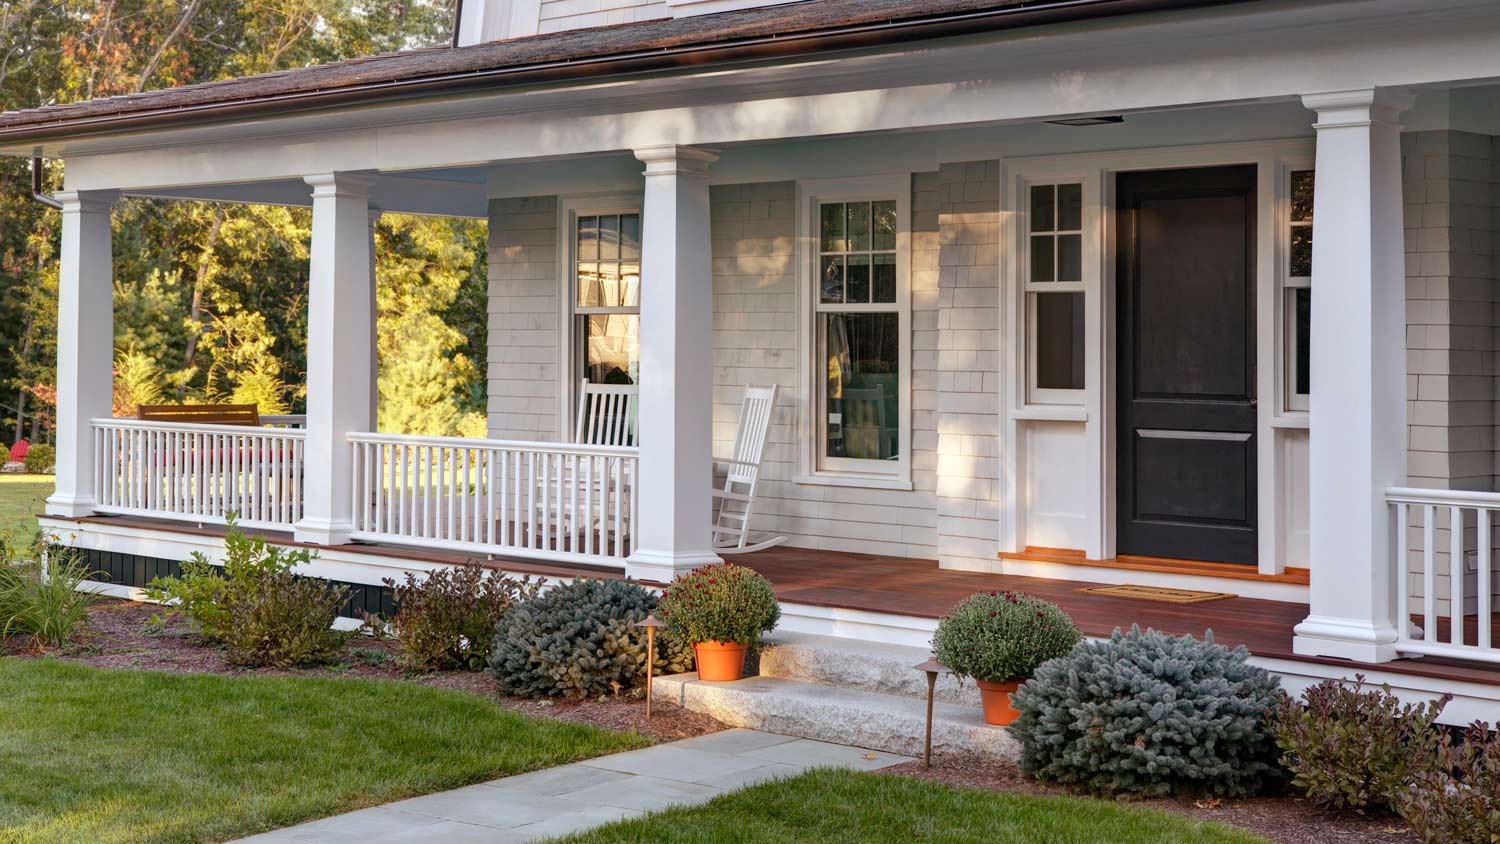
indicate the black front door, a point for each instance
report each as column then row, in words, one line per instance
column 1186, row 364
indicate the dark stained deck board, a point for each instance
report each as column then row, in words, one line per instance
column 896, row 585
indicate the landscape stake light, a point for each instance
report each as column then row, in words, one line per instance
column 931, row 668
column 651, row 622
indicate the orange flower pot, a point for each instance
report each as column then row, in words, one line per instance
column 996, row 699
column 720, row 662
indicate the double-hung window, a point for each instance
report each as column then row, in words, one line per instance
column 1054, row 288
column 606, row 270
column 859, row 334
column 1297, row 290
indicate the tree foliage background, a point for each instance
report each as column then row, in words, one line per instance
column 211, row 299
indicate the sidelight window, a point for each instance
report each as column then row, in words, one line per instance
column 1054, row 288
column 1297, row 289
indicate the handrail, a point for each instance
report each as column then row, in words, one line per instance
column 198, row 427
column 508, row 445
column 1441, row 497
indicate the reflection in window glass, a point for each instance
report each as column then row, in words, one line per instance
column 611, row 352
column 857, row 252
column 1304, row 350
column 1059, row 340
column 862, row 399
column 1056, row 225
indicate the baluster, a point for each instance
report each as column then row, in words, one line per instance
column 1429, row 567
column 1403, row 577
column 1482, row 545
column 1456, row 575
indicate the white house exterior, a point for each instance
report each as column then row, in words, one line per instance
column 965, row 237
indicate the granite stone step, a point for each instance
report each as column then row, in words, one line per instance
column 862, row 666
column 892, row 723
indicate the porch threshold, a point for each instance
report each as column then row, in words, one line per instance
column 1162, row 565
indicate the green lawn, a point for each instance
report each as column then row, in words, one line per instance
column 845, row 807
column 100, row 756
column 22, row 497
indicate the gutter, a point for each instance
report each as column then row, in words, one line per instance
column 878, row 34
column 36, row 186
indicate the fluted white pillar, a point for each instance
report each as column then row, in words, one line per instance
column 1358, row 401
column 339, row 349
column 673, row 533
column 85, row 345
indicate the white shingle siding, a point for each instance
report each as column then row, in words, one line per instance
column 1449, row 189
column 523, row 329
column 557, row 15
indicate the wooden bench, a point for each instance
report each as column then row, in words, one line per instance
column 205, row 414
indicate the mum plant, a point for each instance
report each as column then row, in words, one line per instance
column 721, row 610
column 999, row 639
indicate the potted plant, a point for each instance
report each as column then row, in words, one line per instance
column 721, row 610
column 999, row 639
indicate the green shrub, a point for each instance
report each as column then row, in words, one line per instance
column 1355, row 748
column 40, row 459
column 1148, row 713
column 720, row 603
column 1001, row 636
column 447, row 618
column 1457, row 799
column 263, row 613
column 43, row 601
column 576, row 640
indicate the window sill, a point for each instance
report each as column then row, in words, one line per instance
column 1050, row 413
column 858, row 481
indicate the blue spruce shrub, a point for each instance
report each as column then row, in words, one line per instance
column 1152, row 714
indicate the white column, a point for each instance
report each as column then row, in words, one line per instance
column 673, row 534
column 338, row 353
column 85, row 345
column 1358, row 401
column 374, row 324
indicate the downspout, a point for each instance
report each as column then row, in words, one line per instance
column 36, row 186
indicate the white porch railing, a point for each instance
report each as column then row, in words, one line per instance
column 549, row 501
column 1445, row 546
column 199, row 473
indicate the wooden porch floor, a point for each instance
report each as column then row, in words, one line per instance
column 919, row 588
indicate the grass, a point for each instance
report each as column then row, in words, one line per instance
column 22, row 497
column 846, row 807
column 109, row 757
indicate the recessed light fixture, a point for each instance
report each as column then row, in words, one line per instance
column 1099, row 120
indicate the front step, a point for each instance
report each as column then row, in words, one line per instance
column 859, row 665
column 893, row 723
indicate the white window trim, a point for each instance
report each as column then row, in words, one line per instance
column 811, row 468
column 1292, row 407
column 1088, row 285
column 569, row 209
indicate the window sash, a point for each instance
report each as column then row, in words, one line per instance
column 1031, row 287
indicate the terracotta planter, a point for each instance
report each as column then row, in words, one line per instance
column 996, row 700
column 719, row 662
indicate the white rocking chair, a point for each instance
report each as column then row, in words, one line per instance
column 742, row 471
column 606, row 414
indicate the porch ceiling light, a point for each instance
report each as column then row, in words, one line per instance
column 1097, row 120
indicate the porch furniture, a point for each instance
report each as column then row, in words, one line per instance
column 606, row 414
column 202, row 414
column 736, row 499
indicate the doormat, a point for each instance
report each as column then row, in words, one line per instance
column 1160, row 594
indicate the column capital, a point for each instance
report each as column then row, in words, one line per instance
column 1360, row 106
column 672, row 159
column 86, row 200
column 350, row 185
column 375, row 212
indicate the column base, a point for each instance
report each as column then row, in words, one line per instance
column 70, row 506
column 1344, row 638
column 318, row 532
column 663, row 566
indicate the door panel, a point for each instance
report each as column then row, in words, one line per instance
column 1186, row 364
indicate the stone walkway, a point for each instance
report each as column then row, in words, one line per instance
column 571, row 798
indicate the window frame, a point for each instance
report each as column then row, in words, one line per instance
column 814, row 466
column 1037, row 395
column 1288, row 285
column 570, row 353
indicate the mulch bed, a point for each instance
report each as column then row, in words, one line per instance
column 1286, row 820
column 119, row 637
